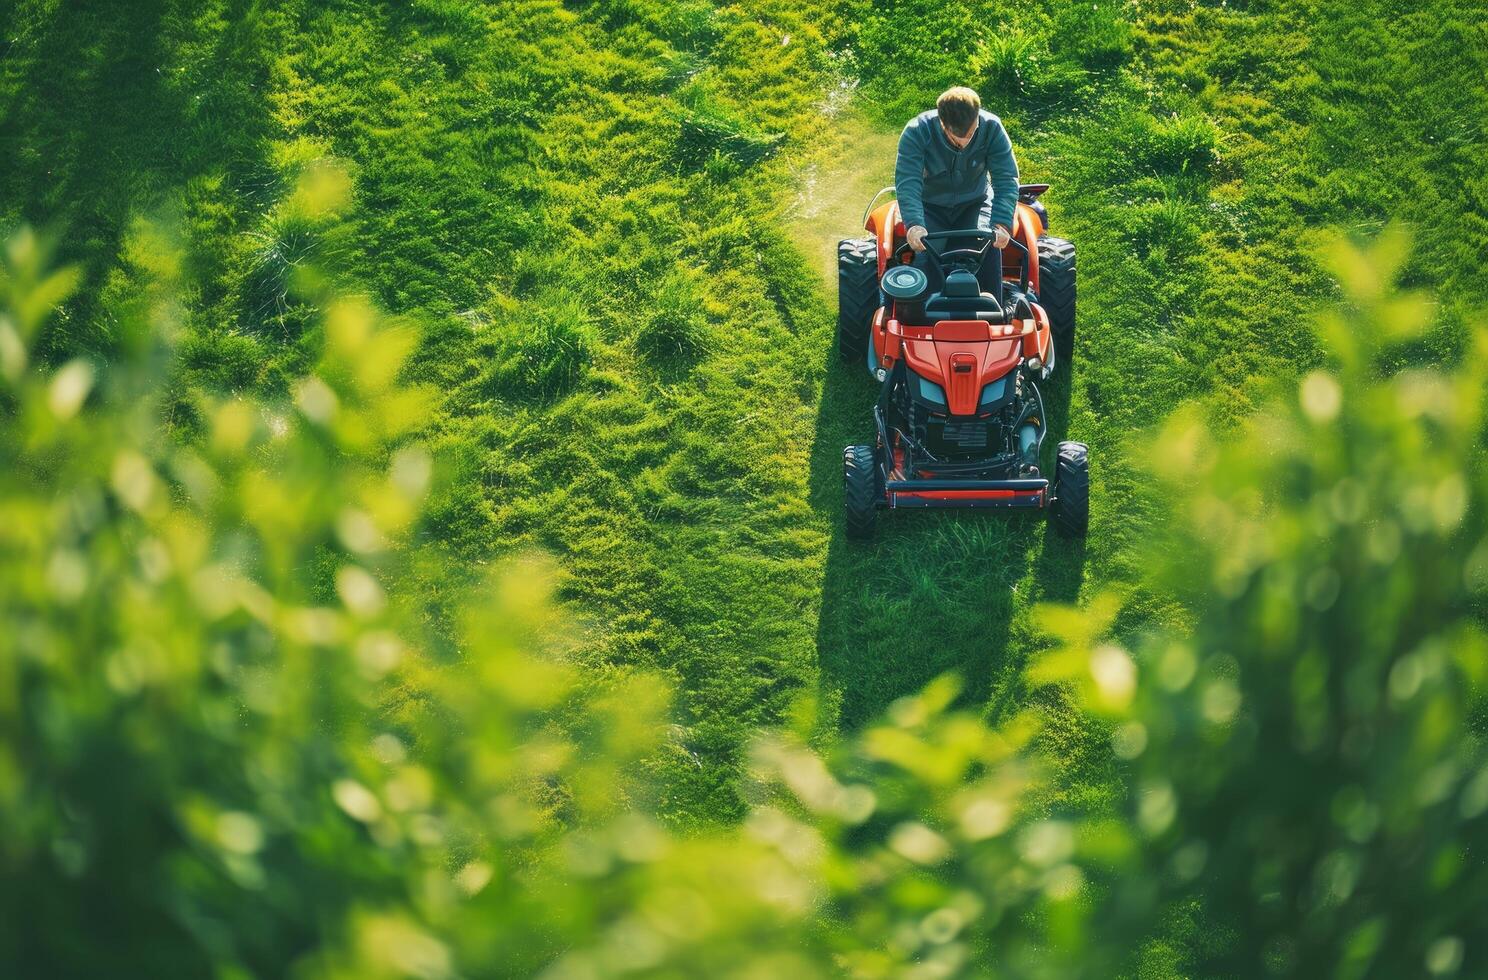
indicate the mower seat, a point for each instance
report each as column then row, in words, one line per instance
column 962, row 299
column 983, row 306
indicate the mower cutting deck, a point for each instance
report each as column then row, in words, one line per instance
column 960, row 420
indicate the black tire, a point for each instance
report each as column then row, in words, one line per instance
column 1071, row 511
column 1057, row 293
column 857, row 296
column 860, row 490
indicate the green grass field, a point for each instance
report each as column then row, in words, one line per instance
column 613, row 222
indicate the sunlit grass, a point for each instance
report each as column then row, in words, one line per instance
column 591, row 216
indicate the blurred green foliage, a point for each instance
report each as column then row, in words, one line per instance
column 229, row 748
column 570, row 211
column 1315, row 762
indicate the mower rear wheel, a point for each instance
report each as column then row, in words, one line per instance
column 1071, row 512
column 1056, row 261
column 860, row 490
column 857, row 296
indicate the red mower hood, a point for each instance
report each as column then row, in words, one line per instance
column 962, row 357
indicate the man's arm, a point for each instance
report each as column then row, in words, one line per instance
column 909, row 179
column 1003, row 171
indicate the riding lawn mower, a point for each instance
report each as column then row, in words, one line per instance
column 960, row 419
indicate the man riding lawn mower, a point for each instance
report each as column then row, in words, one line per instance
column 958, row 346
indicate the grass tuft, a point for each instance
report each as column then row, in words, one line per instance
column 544, row 349
column 1165, row 230
column 674, row 329
column 1178, row 145
column 1017, row 64
column 715, row 140
column 1097, row 36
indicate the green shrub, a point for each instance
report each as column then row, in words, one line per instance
column 1307, row 759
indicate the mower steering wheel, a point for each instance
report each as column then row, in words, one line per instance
column 957, row 256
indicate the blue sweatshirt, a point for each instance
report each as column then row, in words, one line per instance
column 932, row 171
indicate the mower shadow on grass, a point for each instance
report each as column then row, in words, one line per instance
column 933, row 592
column 1060, row 569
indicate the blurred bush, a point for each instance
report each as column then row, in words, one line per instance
column 230, row 746
column 1306, row 761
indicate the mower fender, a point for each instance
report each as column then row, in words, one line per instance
column 888, row 227
column 1036, row 341
column 881, row 344
column 1027, row 226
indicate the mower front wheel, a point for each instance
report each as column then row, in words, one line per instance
column 857, row 296
column 1071, row 509
column 860, row 490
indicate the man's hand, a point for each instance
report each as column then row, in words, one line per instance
column 916, row 237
